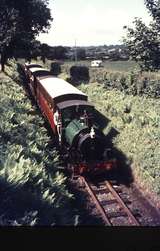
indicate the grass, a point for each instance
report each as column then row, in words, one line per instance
column 122, row 66
column 33, row 191
column 138, row 121
column 107, row 65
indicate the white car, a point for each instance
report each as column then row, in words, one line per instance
column 96, row 63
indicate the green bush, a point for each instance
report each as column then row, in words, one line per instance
column 79, row 74
column 132, row 83
column 55, row 68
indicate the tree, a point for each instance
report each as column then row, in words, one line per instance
column 143, row 44
column 27, row 49
column 35, row 49
column 8, row 22
column 55, row 68
column 81, row 53
column 79, row 74
column 21, row 21
column 154, row 9
column 60, row 52
column 142, row 41
column 44, row 51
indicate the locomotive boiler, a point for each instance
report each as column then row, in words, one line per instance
column 72, row 119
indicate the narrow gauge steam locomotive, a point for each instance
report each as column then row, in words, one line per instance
column 71, row 117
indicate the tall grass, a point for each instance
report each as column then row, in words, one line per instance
column 33, row 191
column 138, row 121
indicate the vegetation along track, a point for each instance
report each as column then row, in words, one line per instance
column 111, row 202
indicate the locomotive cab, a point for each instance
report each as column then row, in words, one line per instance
column 76, row 109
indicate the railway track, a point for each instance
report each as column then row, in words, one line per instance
column 108, row 202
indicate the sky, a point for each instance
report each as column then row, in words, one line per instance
column 91, row 22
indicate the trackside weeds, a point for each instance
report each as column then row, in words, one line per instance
column 33, row 191
column 138, row 121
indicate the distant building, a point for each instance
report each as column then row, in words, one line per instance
column 112, row 51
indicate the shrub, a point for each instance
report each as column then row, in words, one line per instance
column 55, row 68
column 132, row 83
column 79, row 74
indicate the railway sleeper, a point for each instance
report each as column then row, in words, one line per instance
column 118, row 189
column 106, row 190
column 108, row 202
column 126, row 201
column 101, row 190
column 116, row 214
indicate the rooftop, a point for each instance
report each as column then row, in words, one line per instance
column 57, row 87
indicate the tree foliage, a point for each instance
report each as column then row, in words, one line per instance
column 60, row 52
column 143, row 43
column 78, row 74
column 81, row 54
column 55, row 68
column 154, row 8
column 21, row 21
column 44, row 51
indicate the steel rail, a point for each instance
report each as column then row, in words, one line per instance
column 120, row 201
column 107, row 217
column 95, row 199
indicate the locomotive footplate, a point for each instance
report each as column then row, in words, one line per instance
column 93, row 168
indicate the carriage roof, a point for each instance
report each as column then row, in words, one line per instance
column 36, row 69
column 70, row 103
column 57, row 87
column 33, row 65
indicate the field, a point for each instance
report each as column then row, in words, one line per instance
column 121, row 66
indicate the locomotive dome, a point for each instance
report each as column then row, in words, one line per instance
column 57, row 87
